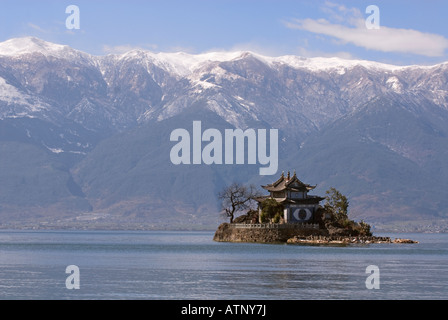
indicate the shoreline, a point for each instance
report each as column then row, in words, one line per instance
column 227, row 232
column 346, row 240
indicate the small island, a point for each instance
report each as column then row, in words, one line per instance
column 290, row 215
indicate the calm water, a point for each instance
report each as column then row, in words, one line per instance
column 190, row 265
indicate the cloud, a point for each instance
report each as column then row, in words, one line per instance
column 37, row 28
column 304, row 52
column 252, row 46
column 126, row 48
column 384, row 39
column 185, row 49
column 341, row 13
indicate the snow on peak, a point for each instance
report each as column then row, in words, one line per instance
column 19, row 46
column 182, row 63
column 326, row 64
column 29, row 45
column 395, row 84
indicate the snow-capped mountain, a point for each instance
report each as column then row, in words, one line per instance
column 29, row 45
column 69, row 103
column 122, row 90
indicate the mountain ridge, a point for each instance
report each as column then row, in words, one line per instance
column 78, row 110
column 29, row 45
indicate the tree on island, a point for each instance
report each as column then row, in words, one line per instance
column 237, row 198
column 337, row 205
column 271, row 211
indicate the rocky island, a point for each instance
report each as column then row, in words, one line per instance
column 320, row 234
column 290, row 215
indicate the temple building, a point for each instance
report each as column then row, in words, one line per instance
column 298, row 206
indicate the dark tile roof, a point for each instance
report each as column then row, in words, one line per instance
column 292, row 183
column 308, row 200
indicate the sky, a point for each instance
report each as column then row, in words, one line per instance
column 400, row 32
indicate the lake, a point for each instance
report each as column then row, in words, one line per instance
column 178, row 265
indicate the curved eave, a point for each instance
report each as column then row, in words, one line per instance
column 284, row 188
column 308, row 200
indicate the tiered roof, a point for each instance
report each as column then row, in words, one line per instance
column 293, row 184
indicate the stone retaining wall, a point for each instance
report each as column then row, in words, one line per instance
column 228, row 233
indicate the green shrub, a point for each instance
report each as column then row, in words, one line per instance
column 365, row 228
column 271, row 211
column 277, row 218
column 263, row 217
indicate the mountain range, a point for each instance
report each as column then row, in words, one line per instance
column 85, row 140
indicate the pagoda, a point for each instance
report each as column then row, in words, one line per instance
column 298, row 206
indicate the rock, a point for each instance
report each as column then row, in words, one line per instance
column 250, row 217
column 404, row 241
column 336, row 239
column 246, row 229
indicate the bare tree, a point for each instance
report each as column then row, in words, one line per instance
column 237, row 198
